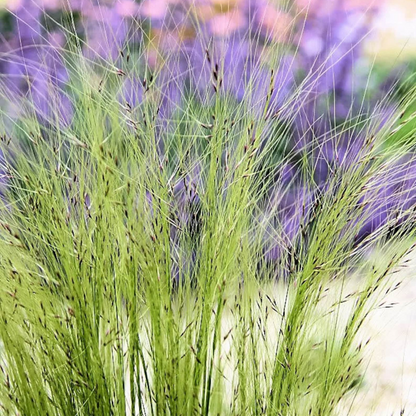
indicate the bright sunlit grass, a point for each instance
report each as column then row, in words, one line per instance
column 135, row 243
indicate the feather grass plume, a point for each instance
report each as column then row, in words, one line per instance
column 168, row 237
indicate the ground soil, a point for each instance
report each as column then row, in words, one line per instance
column 389, row 383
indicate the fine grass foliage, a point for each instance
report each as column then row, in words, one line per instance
column 135, row 240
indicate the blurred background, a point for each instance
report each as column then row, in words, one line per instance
column 348, row 54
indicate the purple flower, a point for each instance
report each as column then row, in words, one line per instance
column 224, row 55
column 106, row 32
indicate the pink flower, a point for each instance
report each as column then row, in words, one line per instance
column 275, row 23
column 326, row 7
column 154, row 9
column 126, row 8
column 14, row 5
column 226, row 23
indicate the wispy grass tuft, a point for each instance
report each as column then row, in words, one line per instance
column 148, row 265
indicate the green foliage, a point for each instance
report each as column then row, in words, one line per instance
column 104, row 312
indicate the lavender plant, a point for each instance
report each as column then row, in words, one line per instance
column 176, row 210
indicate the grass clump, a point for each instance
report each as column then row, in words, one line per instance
column 145, row 265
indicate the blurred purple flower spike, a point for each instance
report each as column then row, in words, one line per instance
column 330, row 46
column 131, row 93
column 186, row 222
column 187, row 207
column 27, row 17
column 293, row 211
column 106, row 32
column 34, row 66
column 23, row 54
column 235, row 33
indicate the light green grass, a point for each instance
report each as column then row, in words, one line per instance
column 92, row 320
